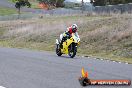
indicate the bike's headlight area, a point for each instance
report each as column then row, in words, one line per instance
column 77, row 40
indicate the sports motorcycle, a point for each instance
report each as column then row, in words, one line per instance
column 69, row 46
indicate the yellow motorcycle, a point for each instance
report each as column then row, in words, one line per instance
column 68, row 47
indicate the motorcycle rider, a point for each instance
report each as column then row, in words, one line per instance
column 67, row 34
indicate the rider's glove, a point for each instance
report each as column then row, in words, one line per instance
column 64, row 34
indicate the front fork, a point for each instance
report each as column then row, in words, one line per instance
column 71, row 49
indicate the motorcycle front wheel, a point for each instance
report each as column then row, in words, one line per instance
column 72, row 52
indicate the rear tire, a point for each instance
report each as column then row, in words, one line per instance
column 58, row 50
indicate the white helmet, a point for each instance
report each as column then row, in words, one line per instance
column 74, row 27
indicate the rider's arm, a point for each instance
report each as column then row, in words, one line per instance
column 66, row 34
column 76, row 34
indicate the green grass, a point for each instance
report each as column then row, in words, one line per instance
column 107, row 37
column 7, row 11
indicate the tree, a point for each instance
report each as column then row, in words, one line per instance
column 82, row 6
column 59, row 3
column 21, row 3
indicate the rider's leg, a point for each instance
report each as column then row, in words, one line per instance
column 61, row 38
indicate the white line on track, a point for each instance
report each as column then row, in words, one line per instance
column 119, row 62
column 82, row 56
column 102, row 59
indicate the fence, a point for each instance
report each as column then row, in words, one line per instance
column 16, row 16
column 88, row 8
column 124, row 8
column 121, row 8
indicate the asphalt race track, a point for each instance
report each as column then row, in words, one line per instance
column 22, row 68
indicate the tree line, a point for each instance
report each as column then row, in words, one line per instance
column 109, row 2
column 60, row 3
column 56, row 3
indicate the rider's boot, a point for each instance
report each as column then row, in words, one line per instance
column 61, row 46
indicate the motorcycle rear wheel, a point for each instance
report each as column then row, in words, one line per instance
column 58, row 50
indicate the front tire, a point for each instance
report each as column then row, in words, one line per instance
column 72, row 53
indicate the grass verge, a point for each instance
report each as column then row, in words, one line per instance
column 108, row 37
column 7, row 11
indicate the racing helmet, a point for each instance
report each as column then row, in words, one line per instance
column 74, row 28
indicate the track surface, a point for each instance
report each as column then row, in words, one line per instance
column 22, row 68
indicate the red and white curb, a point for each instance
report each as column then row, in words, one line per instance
column 104, row 59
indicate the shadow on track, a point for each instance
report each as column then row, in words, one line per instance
column 67, row 57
